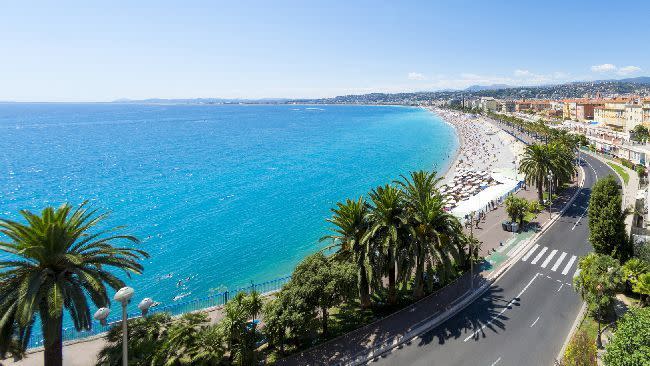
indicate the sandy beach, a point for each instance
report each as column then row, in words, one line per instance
column 487, row 157
column 483, row 146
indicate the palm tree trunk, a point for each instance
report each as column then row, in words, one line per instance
column 418, row 291
column 52, row 331
column 392, row 293
column 540, row 191
column 364, row 292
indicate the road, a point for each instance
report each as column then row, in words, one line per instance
column 524, row 318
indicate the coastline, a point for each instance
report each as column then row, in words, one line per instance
column 447, row 170
column 484, row 166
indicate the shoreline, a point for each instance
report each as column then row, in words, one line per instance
column 444, row 173
column 486, row 157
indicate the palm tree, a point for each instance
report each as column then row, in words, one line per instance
column 190, row 340
column 241, row 335
column 536, row 164
column 435, row 233
column 633, row 269
column 350, row 220
column 54, row 261
column 145, row 335
column 387, row 229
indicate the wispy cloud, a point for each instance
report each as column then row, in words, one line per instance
column 522, row 73
column 416, row 76
column 603, row 68
column 607, row 68
column 627, row 70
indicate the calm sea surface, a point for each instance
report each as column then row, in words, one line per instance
column 224, row 195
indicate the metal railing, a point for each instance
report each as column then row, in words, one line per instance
column 215, row 300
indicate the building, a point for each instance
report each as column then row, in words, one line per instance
column 488, row 104
column 646, row 112
column 612, row 113
column 633, row 116
column 534, row 106
column 506, row 106
column 580, row 109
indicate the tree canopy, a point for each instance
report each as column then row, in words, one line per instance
column 630, row 344
column 598, row 281
column 607, row 232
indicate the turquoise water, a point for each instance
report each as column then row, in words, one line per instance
column 224, row 195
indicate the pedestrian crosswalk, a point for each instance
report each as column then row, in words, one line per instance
column 549, row 257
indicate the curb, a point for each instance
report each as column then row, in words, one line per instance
column 428, row 324
column 574, row 328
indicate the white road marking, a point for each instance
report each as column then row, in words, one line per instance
column 576, row 273
column 515, row 251
column 568, row 265
column 558, row 261
column 502, row 310
column 530, row 252
column 580, row 218
column 539, row 255
column 497, row 361
column 561, row 285
column 535, row 322
column 549, row 258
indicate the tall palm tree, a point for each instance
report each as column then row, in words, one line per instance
column 388, row 227
column 435, row 233
column 536, row 164
column 350, row 220
column 54, row 262
column 563, row 162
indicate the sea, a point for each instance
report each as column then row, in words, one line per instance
column 219, row 195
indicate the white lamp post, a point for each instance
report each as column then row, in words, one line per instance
column 101, row 314
column 123, row 296
column 144, row 305
column 550, row 194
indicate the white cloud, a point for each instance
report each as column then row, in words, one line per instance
column 521, row 73
column 603, row 68
column 627, row 70
column 416, row 76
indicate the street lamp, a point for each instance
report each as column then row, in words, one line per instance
column 599, row 288
column 550, row 194
column 144, row 305
column 471, row 250
column 101, row 314
column 123, row 296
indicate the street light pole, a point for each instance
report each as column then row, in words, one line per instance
column 550, row 195
column 123, row 296
column 599, row 342
column 471, row 251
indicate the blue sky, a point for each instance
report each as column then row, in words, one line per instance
column 100, row 51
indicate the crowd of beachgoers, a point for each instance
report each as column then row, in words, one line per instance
column 484, row 149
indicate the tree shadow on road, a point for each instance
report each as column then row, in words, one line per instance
column 482, row 316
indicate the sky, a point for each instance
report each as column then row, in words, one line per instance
column 105, row 50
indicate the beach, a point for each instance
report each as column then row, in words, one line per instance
column 485, row 164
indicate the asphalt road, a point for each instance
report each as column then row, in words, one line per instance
column 524, row 318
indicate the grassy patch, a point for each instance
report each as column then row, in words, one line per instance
column 619, row 169
column 589, row 325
